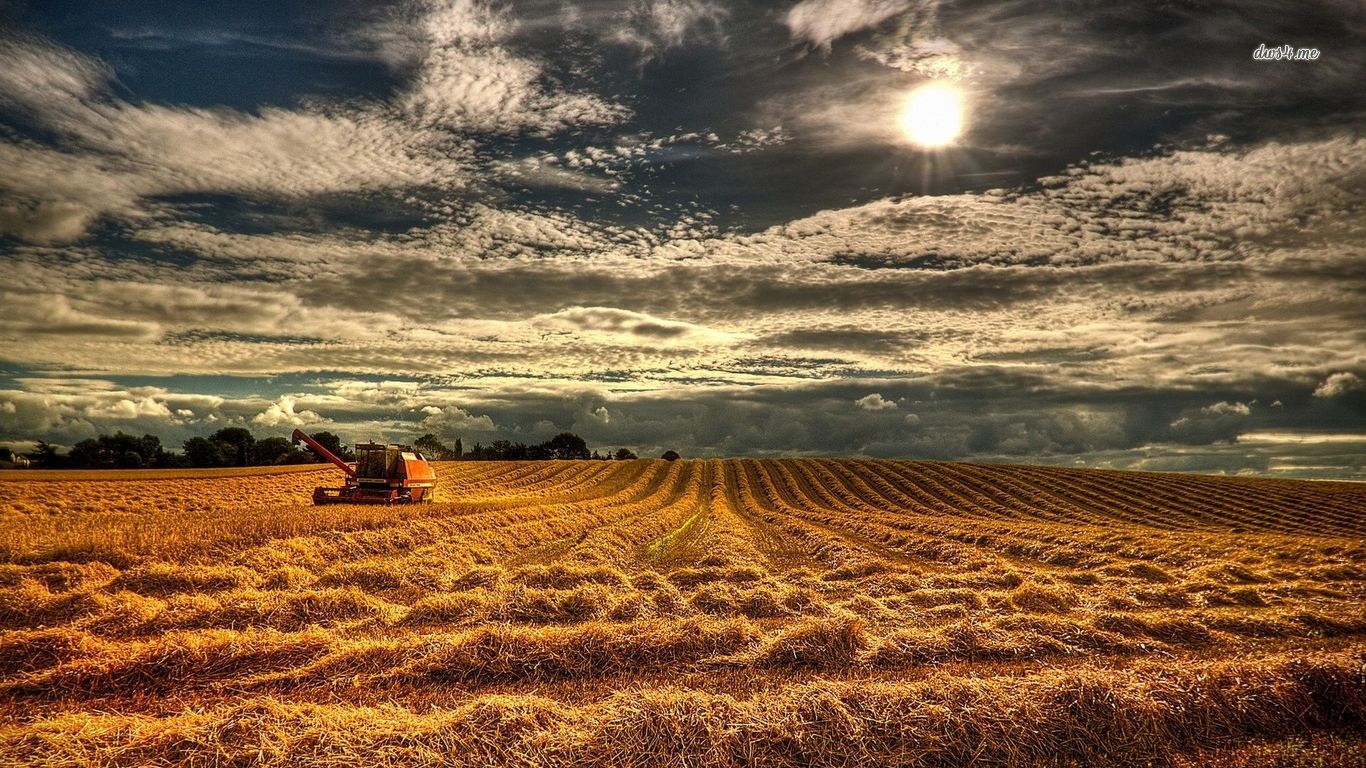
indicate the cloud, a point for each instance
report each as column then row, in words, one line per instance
column 38, row 73
column 932, row 57
column 119, row 154
column 282, row 412
column 468, row 81
column 821, row 22
column 1177, row 251
column 609, row 320
column 875, row 402
column 125, row 409
column 454, row 420
column 52, row 315
column 490, row 241
column 961, row 413
column 1339, row 384
column 1174, row 252
column 116, row 155
column 1227, row 409
column 657, row 25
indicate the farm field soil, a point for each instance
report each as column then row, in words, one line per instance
column 803, row 612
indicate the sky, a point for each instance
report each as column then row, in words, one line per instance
column 693, row 225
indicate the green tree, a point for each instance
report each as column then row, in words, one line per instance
column 273, row 450
column 45, row 454
column 237, row 445
column 432, row 448
column 118, row 450
column 566, row 445
column 623, row 454
column 149, row 448
column 333, row 443
column 506, row 451
column 203, row 452
column 85, row 454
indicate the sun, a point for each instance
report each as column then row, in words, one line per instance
column 933, row 115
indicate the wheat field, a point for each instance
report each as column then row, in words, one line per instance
column 803, row 612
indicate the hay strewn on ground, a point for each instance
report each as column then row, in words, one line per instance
column 726, row 613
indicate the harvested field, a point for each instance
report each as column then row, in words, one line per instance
column 802, row 612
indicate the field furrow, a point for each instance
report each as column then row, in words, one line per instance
column 717, row 612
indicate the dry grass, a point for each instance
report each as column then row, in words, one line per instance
column 789, row 613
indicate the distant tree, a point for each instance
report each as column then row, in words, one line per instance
column 6, row 454
column 508, row 451
column 203, row 452
column 86, row 454
column 623, row 454
column 152, row 452
column 173, row 461
column 274, row 450
column 563, row 446
column 333, row 443
column 432, row 447
column 237, row 444
column 119, row 450
column 598, row 456
column 45, row 455
column 671, row 456
column 566, row 445
column 459, row 449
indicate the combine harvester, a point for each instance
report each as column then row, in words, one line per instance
column 382, row 474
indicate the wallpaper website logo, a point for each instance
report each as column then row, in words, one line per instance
column 1284, row 53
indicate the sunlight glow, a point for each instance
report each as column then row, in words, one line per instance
column 933, row 115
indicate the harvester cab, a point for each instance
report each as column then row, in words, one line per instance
column 381, row 474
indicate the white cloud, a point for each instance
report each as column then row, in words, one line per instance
column 466, row 80
column 1339, row 384
column 50, row 315
column 609, row 320
column 934, row 57
column 821, row 22
column 1302, row 437
column 283, row 412
column 654, row 25
column 126, row 409
column 454, row 420
column 875, row 402
column 117, row 154
column 1223, row 408
column 37, row 73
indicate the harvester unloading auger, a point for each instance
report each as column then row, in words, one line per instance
column 382, row 474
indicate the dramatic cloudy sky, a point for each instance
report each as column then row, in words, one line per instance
column 692, row 224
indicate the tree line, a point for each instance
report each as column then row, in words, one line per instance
column 228, row 447
column 238, row 447
column 565, row 445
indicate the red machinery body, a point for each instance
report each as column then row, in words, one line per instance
column 382, row 474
